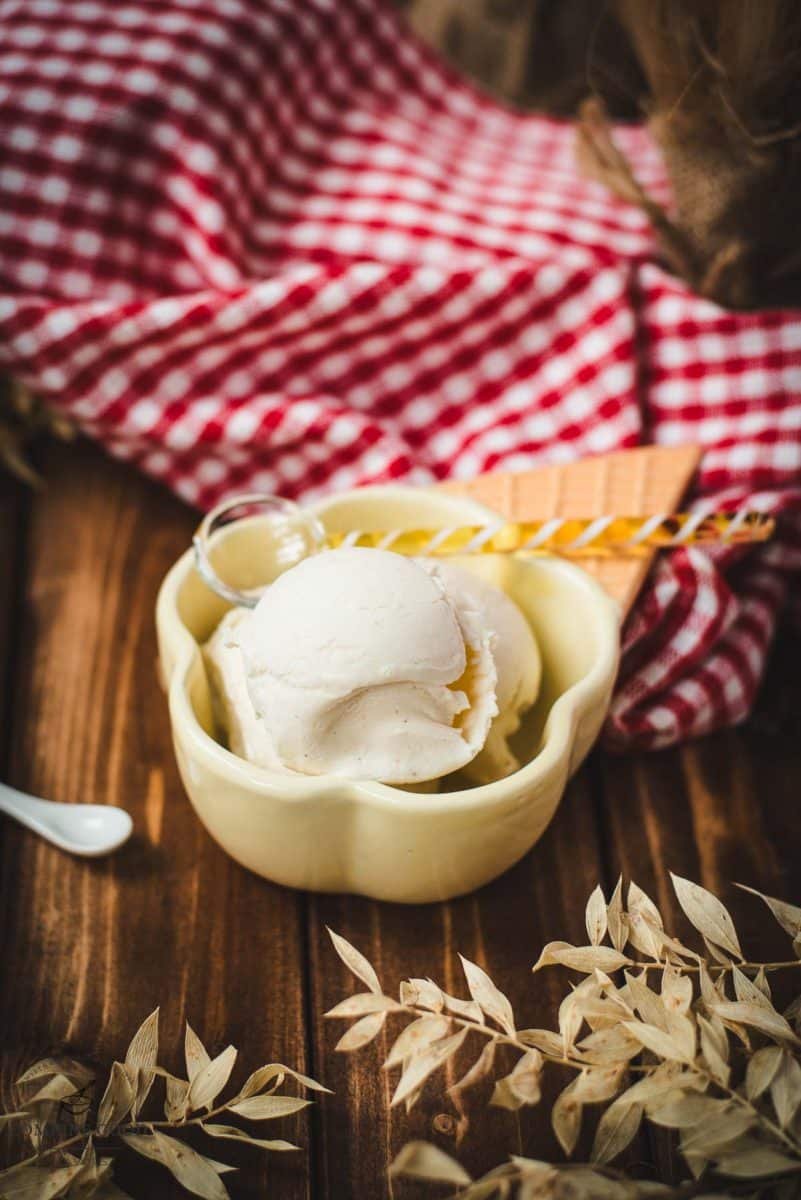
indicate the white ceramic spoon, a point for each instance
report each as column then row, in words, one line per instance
column 86, row 829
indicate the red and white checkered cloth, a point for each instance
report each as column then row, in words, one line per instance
column 276, row 245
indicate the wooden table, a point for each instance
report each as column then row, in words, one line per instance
column 89, row 948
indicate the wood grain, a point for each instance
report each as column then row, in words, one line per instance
column 720, row 811
column 88, row 949
column 93, row 947
column 12, row 498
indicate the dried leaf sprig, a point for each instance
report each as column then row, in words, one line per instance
column 690, row 1041
column 23, row 417
column 60, row 1100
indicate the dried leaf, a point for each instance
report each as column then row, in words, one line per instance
column 677, row 990
column 766, row 1020
column 364, row 1002
column 524, row 1081
column 416, row 1037
column 421, row 1160
column 91, row 1173
column 745, row 989
column 614, row 917
column 788, row 915
column 715, row 1049
column 571, row 1019
column 761, row 1069
column 716, row 954
column 487, row 996
column 305, row 1080
column 687, row 1110
column 140, row 1060
column 546, row 958
column 761, row 982
column 611, row 1045
column 707, row 914
column 196, row 1054
column 7, row 1118
column 712, row 1134
column 644, row 922
column 142, row 1052
column 77, row 1072
column 355, row 961
column 56, row 1089
column 192, row 1170
column 37, row 1070
column 616, row 1129
column 268, row 1108
column 176, row 1091
column 275, row 1073
column 144, row 1144
column 595, row 917
column 663, row 1082
column 785, row 1090
column 596, row 1084
column 543, row 1039
column 424, row 1064
column 711, row 990
column 117, row 1100
column 657, row 1041
column 210, row 1080
column 422, row 993
column 479, row 1070
column 605, row 1013
column 241, row 1135
column 648, row 1004
column 566, row 1120
column 754, row 1160
column 588, row 1184
column 362, row 1032
column 36, row 1183
column 503, row 1096
column 584, row 958
column 793, row 1010
column 464, row 1008
column 682, row 1030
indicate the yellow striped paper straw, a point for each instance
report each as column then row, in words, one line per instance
column 571, row 536
column 296, row 532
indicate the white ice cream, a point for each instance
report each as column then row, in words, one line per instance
column 245, row 732
column 367, row 665
column 357, row 663
column 517, row 663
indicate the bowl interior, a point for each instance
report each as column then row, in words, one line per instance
column 561, row 608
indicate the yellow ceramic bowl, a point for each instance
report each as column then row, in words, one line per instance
column 333, row 835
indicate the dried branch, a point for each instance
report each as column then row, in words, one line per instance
column 61, row 1094
column 686, row 1039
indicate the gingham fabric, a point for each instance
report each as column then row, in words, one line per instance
column 275, row 245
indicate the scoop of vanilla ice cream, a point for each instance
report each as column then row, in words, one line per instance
column 358, row 663
column 245, row 732
column 517, row 662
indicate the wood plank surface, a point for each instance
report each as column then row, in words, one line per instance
column 502, row 928
column 722, row 810
column 88, row 949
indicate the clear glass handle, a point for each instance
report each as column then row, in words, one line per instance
column 293, row 532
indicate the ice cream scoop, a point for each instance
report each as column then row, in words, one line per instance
column 358, row 663
column 244, row 730
column 517, row 663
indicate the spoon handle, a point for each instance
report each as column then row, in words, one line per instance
column 28, row 810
